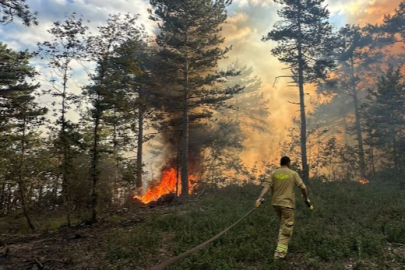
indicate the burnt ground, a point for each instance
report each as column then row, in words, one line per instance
column 80, row 247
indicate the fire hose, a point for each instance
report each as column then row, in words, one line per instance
column 201, row 246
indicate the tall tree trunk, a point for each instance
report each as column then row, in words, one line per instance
column 2, row 196
column 345, row 135
column 184, row 149
column 94, row 163
column 116, row 194
column 95, row 173
column 178, row 160
column 394, row 148
column 359, row 135
column 9, row 199
column 65, row 149
column 372, row 159
column 21, row 178
column 356, row 104
column 139, row 161
column 305, row 167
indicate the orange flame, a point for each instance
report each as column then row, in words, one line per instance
column 364, row 181
column 166, row 185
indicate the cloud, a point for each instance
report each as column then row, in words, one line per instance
column 50, row 11
column 362, row 12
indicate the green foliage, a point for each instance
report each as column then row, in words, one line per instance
column 351, row 224
column 385, row 117
column 190, row 44
column 9, row 9
column 304, row 38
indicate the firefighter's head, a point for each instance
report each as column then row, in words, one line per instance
column 285, row 161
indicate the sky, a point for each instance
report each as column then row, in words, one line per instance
column 248, row 22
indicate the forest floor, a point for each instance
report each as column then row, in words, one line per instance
column 353, row 226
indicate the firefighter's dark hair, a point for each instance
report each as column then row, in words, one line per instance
column 284, row 161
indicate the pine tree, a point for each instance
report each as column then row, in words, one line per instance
column 395, row 23
column 9, row 9
column 190, row 45
column 249, row 107
column 66, row 47
column 133, row 68
column 305, row 44
column 101, row 48
column 20, row 115
column 351, row 76
column 385, row 116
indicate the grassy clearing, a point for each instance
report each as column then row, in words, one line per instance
column 352, row 227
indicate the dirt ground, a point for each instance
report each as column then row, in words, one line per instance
column 69, row 248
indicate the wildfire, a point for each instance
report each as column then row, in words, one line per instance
column 166, row 185
column 364, row 181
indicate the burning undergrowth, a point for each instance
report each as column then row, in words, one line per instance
column 364, row 181
column 169, row 183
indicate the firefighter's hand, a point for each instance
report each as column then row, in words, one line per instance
column 309, row 205
column 259, row 202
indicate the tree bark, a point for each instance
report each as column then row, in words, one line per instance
column 65, row 149
column 116, row 195
column 184, row 151
column 356, row 105
column 345, row 135
column 304, row 159
column 139, row 161
column 394, row 147
column 94, row 163
column 2, row 197
column 21, row 178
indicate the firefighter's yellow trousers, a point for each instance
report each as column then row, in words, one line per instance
column 286, row 216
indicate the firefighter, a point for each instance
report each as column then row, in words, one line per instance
column 281, row 183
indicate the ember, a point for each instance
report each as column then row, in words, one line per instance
column 166, row 186
column 364, row 181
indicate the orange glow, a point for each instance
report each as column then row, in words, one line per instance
column 166, row 185
column 364, row 181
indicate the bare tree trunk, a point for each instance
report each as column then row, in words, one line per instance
column 178, row 168
column 116, row 194
column 65, row 149
column 345, row 135
column 139, row 161
column 21, row 178
column 9, row 197
column 394, row 148
column 358, row 122
column 304, row 158
column 2, row 196
column 359, row 135
column 184, row 156
column 372, row 158
column 94, row 163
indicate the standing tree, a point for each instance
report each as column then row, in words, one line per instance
column 305, row 44
column 359, row 59
column 9, row 9
column 190, row 45
column 385, row 116
column 20, row 114
column 66, row 47
column 134, row 70
column 353, row 74
column 248, row 108
column 101, row 48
